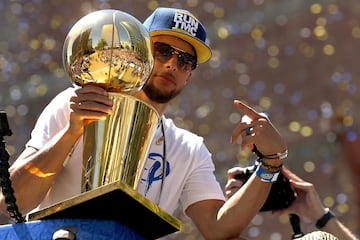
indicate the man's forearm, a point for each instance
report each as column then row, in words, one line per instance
column 246, row 203
column 34, row 172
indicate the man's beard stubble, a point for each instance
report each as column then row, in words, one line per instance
column 156, row 95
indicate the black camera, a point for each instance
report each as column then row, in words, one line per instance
column 4, row 125
column 281, row 194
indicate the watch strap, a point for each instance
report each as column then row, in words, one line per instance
column 325, row 218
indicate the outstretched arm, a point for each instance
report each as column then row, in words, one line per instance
column 218, row 220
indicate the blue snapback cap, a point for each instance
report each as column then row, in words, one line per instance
column 182, row 24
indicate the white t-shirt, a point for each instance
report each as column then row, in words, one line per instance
column 189, row 167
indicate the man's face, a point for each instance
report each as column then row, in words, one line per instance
column 171, row 72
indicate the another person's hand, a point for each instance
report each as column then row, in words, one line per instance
column 233, row 184
column 307, row 202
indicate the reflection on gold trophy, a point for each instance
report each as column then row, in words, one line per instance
column 112, row 49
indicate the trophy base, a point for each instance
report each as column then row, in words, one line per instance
column 118, row 202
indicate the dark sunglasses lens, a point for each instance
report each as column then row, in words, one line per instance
column 164, row 49
column 186, row 61
column 164, row 52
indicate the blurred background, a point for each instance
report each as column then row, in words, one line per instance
column 296, row 60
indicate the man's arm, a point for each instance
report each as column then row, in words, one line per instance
column 308, row 204
column 34, row 172
column 229, row 219
column 338, row 229
column 218, row 220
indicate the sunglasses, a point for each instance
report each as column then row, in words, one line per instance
column 163, row 52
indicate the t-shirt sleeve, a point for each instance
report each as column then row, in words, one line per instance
column 52, row 120
column 202, row 183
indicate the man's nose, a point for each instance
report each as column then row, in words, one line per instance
column 173, row 60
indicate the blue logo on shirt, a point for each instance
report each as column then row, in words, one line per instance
column 155, row 172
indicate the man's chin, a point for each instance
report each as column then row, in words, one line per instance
column 157, row 96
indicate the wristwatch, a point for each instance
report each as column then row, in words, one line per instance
column 325, row 218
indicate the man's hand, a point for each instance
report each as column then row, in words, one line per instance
column 90, row 103
column 258, row 132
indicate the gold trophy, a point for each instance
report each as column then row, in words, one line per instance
column 112, row 49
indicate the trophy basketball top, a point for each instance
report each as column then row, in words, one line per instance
column 111, row 49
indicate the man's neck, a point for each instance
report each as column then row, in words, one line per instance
column 160, row 107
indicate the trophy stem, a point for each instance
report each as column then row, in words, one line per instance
column 116, row 149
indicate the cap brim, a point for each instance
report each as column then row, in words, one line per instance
column 203, row 52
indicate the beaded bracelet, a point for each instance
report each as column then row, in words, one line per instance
column 280, row 156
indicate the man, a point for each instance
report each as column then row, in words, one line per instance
column 307, row 204
column 49, row 168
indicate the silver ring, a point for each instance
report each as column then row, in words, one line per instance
column 248, row 131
